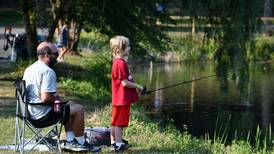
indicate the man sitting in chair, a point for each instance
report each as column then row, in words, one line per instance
column 41, row 87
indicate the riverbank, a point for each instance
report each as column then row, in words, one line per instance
column 186, row 47
column 88, row 83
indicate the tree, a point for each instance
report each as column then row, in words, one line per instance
column 233, row 25
column 134, row 19
column 57, row 7
column 268, row 13
column 30, row 27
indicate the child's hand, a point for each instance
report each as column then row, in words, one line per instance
column 141, row 89
column 144, row 90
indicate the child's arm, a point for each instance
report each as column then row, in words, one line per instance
column 129, row 84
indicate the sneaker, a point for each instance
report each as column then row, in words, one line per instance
column 126, row 142
column 75, row 146
column 113, row 145
column 120, row 148
column 92, row 148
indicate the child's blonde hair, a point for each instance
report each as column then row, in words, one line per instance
column 118, row 44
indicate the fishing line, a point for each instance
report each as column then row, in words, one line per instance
column 189, row 81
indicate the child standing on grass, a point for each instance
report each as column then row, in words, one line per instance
column 124, row 91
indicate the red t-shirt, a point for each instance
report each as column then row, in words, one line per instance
column 121, row 95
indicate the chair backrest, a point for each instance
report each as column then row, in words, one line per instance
column 21, row 97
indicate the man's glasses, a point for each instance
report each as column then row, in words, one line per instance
column 55, row 53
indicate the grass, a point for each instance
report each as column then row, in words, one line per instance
column 145, row 136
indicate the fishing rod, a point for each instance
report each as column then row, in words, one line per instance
column 185, row 82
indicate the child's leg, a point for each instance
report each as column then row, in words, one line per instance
column 118, row 134
column 112, row 135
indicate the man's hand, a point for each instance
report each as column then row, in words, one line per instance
column 57, row 106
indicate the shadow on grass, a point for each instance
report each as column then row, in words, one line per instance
column 89, row 85
column 95, row 72
column 8, row 106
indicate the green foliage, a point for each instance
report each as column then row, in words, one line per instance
column 85, row 89
column 264, row 48
column 11, row 18
column 186, row 47
column 94, row 41
column 134, row 19
column 90, row 79
column 233, row 25
column 240, row 147
column 193, row 48
column 16, row 70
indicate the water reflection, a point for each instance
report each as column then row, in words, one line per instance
column 158, row 97
column 246, row 96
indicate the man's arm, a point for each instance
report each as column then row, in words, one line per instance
column 48, row 97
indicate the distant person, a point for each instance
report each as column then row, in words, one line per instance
column 41, row 85
column 124, row 91
column 9, row 38
column 63, row 42
column 160, row 9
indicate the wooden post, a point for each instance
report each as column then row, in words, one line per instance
column 193, row 25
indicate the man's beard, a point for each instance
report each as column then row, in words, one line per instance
column 52, row 63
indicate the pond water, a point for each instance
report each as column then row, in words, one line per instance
column 202, row 107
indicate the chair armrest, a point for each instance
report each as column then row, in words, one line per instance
column 62, row 103
column 43, row 104
column 47, row 104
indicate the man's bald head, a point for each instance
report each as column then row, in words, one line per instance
column 46, row 47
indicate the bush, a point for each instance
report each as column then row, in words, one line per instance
column 87, row 76
column 264, row 47
column 193, row 48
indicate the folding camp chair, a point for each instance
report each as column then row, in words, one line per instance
column 23, row 119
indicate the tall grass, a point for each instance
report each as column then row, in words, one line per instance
column 264, row 47
column 221, row 131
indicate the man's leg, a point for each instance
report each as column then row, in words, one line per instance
column 77, row 117
column 76, row 121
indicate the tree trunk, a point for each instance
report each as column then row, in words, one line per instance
column 76, row 31
column 57, row 10
column 268, row 13
column 30, row 27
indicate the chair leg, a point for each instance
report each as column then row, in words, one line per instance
column 58, row 145
column 38, row 134
column 17, row 129
column 21, row 143
column 22, row 138
column 16, row 135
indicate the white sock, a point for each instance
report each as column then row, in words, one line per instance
column 112, row 142
column 70, row 136
column 118, row 144
column 81, row 140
